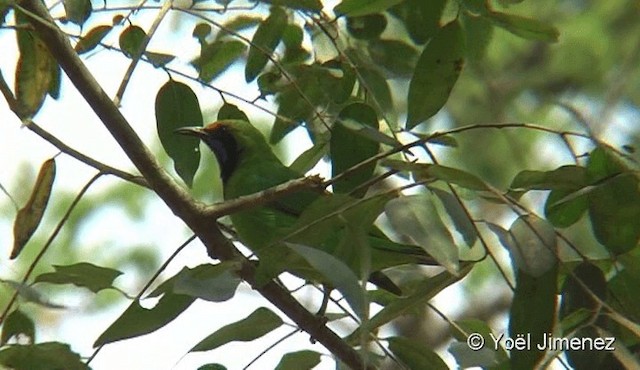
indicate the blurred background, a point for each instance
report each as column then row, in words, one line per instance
column 588, row 81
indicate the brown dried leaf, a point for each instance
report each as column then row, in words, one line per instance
column 30, row 215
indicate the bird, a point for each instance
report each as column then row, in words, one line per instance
column 248, row 165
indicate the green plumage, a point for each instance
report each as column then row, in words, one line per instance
column 248, row 165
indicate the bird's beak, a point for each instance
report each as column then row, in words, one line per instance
column 191, row 131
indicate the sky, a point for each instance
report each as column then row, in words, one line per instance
column 72, row 121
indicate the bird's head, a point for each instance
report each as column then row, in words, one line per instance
column 232, row 141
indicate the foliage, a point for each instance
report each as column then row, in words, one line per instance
column 458, row 126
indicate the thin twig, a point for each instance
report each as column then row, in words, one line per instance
column 48, row 243
column 148, row 284
column 141, row 49
column 277, row 64
column 103, row 168
column 14, row 105
column 219, row 90
column 176, row 198
column 467, row 214
column 271, row 346
column 456, row 130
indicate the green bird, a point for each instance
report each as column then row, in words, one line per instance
column 248, row 165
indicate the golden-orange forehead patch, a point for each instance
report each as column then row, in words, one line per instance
column 215, row 126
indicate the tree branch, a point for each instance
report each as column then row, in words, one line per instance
column 103, row 168
column 14, row 105
column 178, row 200
column 263, row 197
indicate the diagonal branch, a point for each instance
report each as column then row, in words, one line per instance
column 14, row 105
column 103, row 168
column 177, row 199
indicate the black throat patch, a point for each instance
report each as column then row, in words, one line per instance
column 225, row 147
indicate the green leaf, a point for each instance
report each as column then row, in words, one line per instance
column 269, row 83
column 421, row 18
column 419, row 293
column 533, row 246
column 435, row 74
column 563, row 208
column 300, row 360
column 293, row 107
column 292, row 38
column 456, row 176
column 159, row 59
column 574, row 294
column 137, row 320
column 216, row 57
column 29, row 217
column 264, row 42
column 17, row 323
column 201, row 31
column 532, row 313
column 348, row 149
column 471, row 358
column 131, row 41
column 574, row 321
column 526, row 28
column 444, row 140
column 92, row 277
column 478, row 32
column 581, row 359
column 177, row 106
column 310, row 157
column 368, row 132
column 260, row 322
column 414, row 355
column 357, row 8
column 487, row 357
column 92, row 38
column 337, row 273
column 379, row 93
column 476, row 6
column 41, row 356
column 311, row 82
column 366, row 27
column 563, row 178
column 37, row 72
column 212, row 367
column 239, row 23
column 614, row 205
column 231, row 111
column 30, row 294
column 78, row 11
column 624, row 284
column 340, row 225
column 460, row 218
column 426, row 171
column 563, row 181
column 307, row 5
column 416, row 218
column 214, row 283
column 396, row 57
column 54, row 86
column 339, row 79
